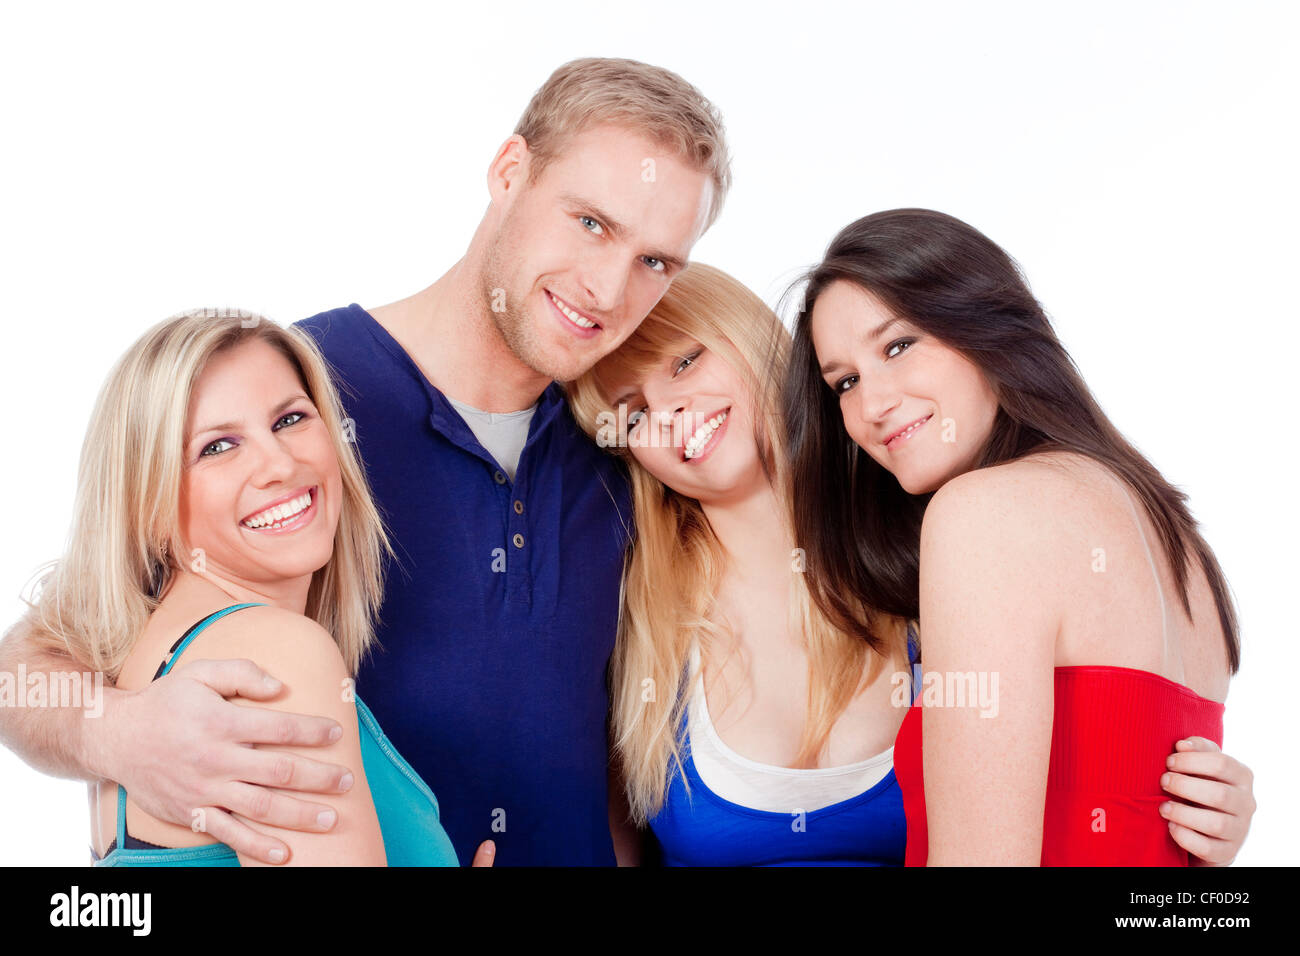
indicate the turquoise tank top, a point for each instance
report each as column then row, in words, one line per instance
column 404, row 804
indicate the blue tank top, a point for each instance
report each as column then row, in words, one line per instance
column 703, row 829
column 404, row 804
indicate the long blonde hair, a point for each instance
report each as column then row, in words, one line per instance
column 677, row 563
column 123, row 548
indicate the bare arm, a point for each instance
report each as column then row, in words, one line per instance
column 315, row 680
column 987, row 611
column 58, row 741
column 171, row 764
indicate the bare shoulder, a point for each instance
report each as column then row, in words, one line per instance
column 291, row 646
column 1019, row 494
column 1025, row 514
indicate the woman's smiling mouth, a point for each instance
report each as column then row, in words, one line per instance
column 287, row 514
column 701, row 444
column 905, row 433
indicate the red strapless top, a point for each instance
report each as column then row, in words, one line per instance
column 1113, row 729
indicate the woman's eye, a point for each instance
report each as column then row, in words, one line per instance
column 292, row 418
column 634, row 418
column 296, row 416
column 208, row 448
column 687, row 360
column 844, row 384
column 901, row 345
column 595, row 228
column 656, row 264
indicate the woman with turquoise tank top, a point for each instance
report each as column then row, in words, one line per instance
column 750, row 725
column 223, row 512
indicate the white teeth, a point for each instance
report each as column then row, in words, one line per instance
column 910, row 428
column 574, row 317
column 280, row 512
column 702, row 436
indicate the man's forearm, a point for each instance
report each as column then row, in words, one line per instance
column 45, row 718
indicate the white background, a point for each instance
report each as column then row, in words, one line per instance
column 1138, row 159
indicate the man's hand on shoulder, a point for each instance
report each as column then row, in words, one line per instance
column 178, row 746
column 315, row 680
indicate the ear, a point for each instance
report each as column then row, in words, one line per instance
column 509, row 168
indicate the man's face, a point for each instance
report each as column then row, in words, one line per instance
column 582, row 254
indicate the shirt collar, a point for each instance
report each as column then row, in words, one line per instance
column 442, row 414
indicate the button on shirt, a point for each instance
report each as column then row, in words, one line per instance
column 500, row 612
column 502, row 434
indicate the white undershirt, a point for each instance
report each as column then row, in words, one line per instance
column 761, row 786
column 502, row 434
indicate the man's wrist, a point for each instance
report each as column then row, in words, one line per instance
column 96, row 750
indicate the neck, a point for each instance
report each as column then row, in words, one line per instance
column 208, row 585
column 750, row 528
column 448, row 331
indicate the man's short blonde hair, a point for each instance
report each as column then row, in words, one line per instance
column 647, row 99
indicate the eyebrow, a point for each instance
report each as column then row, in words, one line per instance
column 618, row 229
column 695, row 346
column 230, row 426
column 832, row 367
column 622, row 399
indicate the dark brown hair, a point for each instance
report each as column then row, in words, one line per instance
column 860, row 530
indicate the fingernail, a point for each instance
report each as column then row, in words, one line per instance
column 271, row 684
column 346, row 782
column 335, row 733
column 325, row 819
column 1164, row 779
column 277, row 856
column 1170, row 762
column 1165, row 808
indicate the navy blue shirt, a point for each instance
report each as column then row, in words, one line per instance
column 500, row 613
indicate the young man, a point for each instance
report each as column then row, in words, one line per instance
column 510, row 526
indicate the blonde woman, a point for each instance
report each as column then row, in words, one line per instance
column 749, row 729
column 222, row 513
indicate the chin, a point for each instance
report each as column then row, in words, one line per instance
column 922, row 488
column 305, row 561
column 557, row 364
column 915, row 482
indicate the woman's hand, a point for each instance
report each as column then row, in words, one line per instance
column 1203, row 774
column 486, row 853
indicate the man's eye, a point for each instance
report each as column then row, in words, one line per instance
column 592, row 225
column 902, row 345
column 657, row 265
column 844, row 384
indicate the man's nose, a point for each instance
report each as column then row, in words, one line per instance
column 604, row 280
